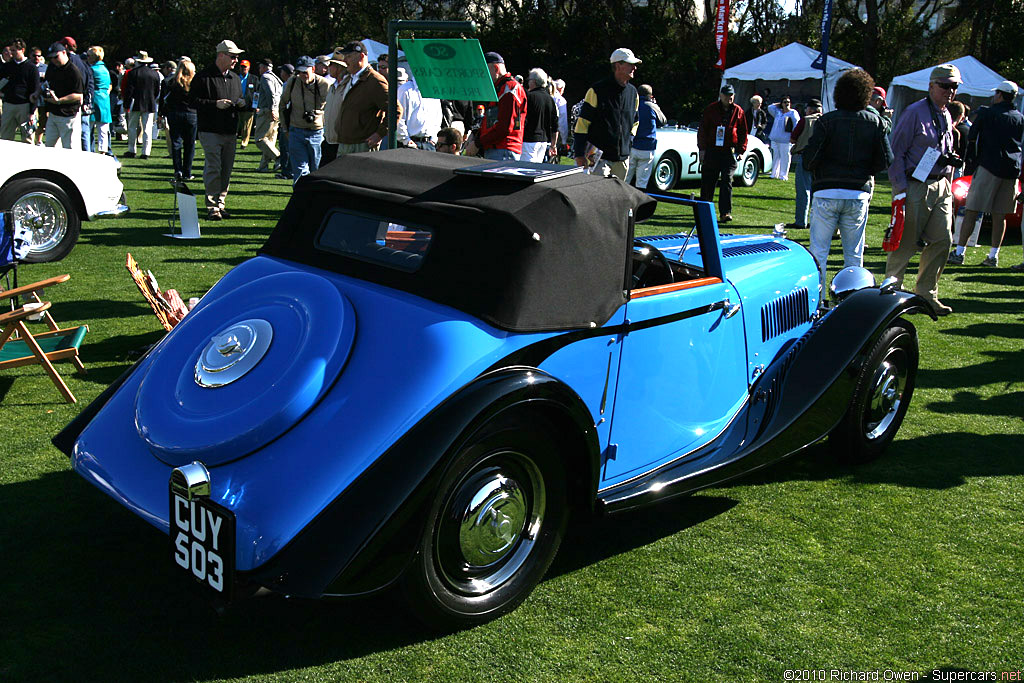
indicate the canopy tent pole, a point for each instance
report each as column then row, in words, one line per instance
column 394, row 26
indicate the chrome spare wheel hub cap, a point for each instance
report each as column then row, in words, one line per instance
column 886, row 393
column 233, row 352
column 44, row 217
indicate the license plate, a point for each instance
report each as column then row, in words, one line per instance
column 203, row 542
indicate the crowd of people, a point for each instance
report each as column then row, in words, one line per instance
column 836, row 157
column 307, row 114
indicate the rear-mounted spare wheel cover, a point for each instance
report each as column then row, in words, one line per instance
column 241, row 371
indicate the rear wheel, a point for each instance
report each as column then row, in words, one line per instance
column 49, row 215
column 750, row 169
column 493, row 530
column 666, row 172
column 882, row 395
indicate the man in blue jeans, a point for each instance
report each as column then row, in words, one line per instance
column 801, row 136
column 302, row 112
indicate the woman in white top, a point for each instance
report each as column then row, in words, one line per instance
column 783, row 126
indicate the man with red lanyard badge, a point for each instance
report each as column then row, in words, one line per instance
column 721, row 137
column 500, row 135
column 923, row 160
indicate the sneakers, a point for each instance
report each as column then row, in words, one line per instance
column 129, row 155
column 795, row 226
column 726, row 218
column 143, row 156
column 213, row 215
column 955, row 258
column 1019, row 268
column 991, row 262
column 225, row 214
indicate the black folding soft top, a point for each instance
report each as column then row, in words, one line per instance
column 524, row 257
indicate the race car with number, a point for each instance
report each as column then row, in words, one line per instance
column 432, row 361
column 677, row 159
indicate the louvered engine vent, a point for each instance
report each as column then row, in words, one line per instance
column 784, row 314
column 747, row 249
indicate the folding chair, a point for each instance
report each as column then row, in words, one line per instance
column 18, row 346
column 42, row 348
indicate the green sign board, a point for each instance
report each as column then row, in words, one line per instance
column 450, row 69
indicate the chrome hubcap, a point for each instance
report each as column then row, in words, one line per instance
column 44, row 217
column 490, row 523
column 886, row 394
column 665, row 173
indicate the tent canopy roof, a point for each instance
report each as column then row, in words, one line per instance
column 979, row 80
column 792, row 62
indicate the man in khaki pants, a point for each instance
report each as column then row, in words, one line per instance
column 266, row 100
column 921, row 144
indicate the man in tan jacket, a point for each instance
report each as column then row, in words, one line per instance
column 362, row 123
column 302, row 112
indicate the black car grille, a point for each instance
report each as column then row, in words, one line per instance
column 784, row 314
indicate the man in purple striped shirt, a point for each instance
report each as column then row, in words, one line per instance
column 922, row 127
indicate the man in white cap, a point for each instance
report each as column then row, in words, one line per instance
column 922, row 147
column 609, row 117
column 998, row 132
column 219, row 98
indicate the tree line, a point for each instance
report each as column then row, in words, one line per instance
column 570, row 39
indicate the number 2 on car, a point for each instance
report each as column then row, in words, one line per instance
column 202, row 541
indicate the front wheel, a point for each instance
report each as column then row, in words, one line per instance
column 749, row 170
column 46, row 211
column 492, row 531
column 881, row 397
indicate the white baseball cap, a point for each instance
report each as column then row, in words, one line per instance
column 624, row 54
column 1008, row 87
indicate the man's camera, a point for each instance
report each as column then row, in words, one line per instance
column 951, row 159
column 308, row 117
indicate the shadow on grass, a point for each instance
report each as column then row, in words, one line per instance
column 985, row 330
column 93, row 593
column 111, row 603
column 591, row 539
column 1003, row 367
column 937, row 461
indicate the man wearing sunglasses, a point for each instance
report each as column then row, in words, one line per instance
column 923, row 160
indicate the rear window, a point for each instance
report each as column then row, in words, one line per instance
column 375, row 240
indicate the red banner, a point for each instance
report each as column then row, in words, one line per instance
column 721, row 32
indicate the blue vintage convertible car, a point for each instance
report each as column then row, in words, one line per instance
column 424, row 370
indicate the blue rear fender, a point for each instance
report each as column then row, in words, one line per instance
column 408, row 355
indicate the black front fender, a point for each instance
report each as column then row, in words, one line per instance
column 364, row 539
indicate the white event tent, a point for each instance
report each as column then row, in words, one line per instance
column 977, row 88
column 375, row 49
column 786, row 71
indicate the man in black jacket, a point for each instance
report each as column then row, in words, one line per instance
column 998, row 132
column 84, row 121
column 22, row 82
column 609, row 117
column 848, row 147
column 219, row 98
column 142, row 90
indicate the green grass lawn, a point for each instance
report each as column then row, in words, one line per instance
column 911, row 563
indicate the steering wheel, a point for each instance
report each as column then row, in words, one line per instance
column 650, row 254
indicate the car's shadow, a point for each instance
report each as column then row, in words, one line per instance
column 93, row 593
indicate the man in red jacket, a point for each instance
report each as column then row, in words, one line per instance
column 722, row 137
column 500, row 135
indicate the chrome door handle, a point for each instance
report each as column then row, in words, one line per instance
column 730, row 308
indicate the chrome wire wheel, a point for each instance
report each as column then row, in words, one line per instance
column 490, row 523
column 751, row 167
column 45, row 217
column 886, row 393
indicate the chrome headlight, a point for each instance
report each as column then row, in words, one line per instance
column 849, row 280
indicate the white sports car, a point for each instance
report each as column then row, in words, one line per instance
column 676, row 158
column 52, row 190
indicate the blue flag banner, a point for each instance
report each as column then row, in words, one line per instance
column 826, row 30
